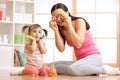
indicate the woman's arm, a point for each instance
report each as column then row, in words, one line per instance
column 58, row 38
column 59, row 41
column 77, row 37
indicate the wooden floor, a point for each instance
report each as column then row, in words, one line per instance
column 59, row 77
column 5, row 75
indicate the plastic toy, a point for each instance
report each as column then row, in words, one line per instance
column 60, row 15
column 41, row 36
column 48, row 71
column 30, row 70
column 28, row 37
column 44, row 70
column 53, row 18
column 0, row 14
column 52, row 71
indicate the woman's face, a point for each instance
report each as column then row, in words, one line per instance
column 56, row 13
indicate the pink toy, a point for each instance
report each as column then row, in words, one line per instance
column 52, row 72
column 53, row 18
column 48, row 71
column 44, row 71
column 30, row 70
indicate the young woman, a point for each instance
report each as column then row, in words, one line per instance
column 76, row 32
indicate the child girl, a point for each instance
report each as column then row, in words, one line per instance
column 34, row 48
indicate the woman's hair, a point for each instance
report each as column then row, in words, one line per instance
column 28, row 28
column 64, row 7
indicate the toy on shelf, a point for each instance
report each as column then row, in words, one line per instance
column 0, row 14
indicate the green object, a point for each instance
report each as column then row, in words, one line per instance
column 28, row 37
column 18, row 39
column 60, row 15
column 20, row 58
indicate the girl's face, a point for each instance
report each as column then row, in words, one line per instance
column 56, row 14
column 36, row 32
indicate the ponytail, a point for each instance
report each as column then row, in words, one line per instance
column 25, row 29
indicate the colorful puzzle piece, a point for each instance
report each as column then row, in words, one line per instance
column 60, row 15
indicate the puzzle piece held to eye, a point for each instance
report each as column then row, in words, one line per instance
column 53, row 18
column 60, row 15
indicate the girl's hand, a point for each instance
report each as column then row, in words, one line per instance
column 28, row 37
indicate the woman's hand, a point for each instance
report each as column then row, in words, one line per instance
column 53, row 25
column 65, row 21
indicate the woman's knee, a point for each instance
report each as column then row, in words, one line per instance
column 72, row 71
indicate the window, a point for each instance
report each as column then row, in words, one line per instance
column 102, row 15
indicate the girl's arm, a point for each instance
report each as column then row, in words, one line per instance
column 31, row 45
column 41, row 46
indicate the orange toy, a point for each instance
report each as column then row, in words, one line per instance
column 52, row 71
column 44, row 70
column 30, row 70
column 48, row 71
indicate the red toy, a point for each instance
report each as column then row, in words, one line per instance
column 0, row 14
column 44, row 71
column 48, row 71
column 30, row 70
column 53, row 18
column 52, row 71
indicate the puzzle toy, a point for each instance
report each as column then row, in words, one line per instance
column 28, row 37
column 53, row 18
column 45, row 70
column 48, row 71
column 60, row 15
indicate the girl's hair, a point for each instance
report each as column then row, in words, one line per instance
column 64, row 7
column 27, row 29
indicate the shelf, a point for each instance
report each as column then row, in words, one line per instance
column 15, row 14
column 22, row 1
column 6, row 44
column 19, row 45
column 6, row 22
